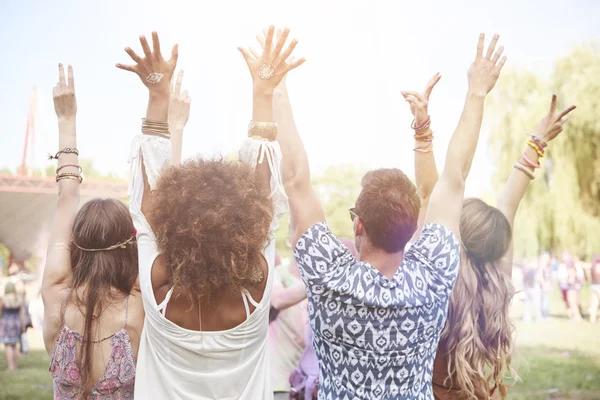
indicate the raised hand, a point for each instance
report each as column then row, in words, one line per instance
column 65, row 102
column 179, row 105
column 485, row 70
column 154, row 71
column 270, row 67
column 552, row 124
column 256, row 54
column 419, row 102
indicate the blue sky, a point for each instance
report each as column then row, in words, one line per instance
column 346, row 97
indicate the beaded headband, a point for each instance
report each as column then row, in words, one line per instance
column 121, row 245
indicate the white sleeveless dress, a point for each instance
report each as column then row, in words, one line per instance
column 176, row 363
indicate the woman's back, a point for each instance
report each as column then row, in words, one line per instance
column 114, row 341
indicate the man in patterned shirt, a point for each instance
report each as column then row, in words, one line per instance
column 376, row 319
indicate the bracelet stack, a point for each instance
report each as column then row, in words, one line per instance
column 67, row 175
column 525, row 164
column 262, row 131
column 156, row 128
column 423, row 134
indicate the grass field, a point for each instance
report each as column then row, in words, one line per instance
column 557, row 360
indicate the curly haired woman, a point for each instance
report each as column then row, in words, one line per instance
column 205, row 241
column 474, row 352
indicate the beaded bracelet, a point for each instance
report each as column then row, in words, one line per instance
column 528, row 161
column 69, row 165
column 537, row 149
column 69, row 175
column 66, row 150
column 524, row 170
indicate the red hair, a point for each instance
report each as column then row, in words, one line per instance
column 388, row 207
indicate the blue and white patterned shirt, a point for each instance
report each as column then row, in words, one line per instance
column 377, row 338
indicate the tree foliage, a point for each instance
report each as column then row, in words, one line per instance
column 338, row 187
column 561, row 210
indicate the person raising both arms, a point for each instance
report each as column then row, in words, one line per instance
column 377, row 319
column 476, row 344
column 206, row 244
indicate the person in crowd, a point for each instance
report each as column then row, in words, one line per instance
column 286, row 331
column 545, row 282
column 594, row 288
column 573, row 286
column 12, row 323
column 562, row 278
column 532, row 290
column 376, row 320
column 205, row 242
column 476, row 344
column 93, row 313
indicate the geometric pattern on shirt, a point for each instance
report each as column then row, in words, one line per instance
column 377, row 338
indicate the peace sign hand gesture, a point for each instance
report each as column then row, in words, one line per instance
column 179, row 105
column 419, row 102
column 65, row 103
column 552, row 124
column 274, row 63
column 154, row 71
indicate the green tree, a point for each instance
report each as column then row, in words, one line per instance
column 561, row 210
column 338, row 187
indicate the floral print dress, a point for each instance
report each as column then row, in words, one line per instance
column 118, row 379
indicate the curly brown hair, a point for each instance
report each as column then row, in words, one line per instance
column 211, row 220
column 388, row 207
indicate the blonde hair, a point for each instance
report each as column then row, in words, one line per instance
column 11, row 298
column 479, row 333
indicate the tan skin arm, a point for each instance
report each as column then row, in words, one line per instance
column 57, row 275
column 446, row 200
column 282, row 297
column 179, row 113
column 515, row 187
column 426, row 174
column 305, row 207
column 294, row 168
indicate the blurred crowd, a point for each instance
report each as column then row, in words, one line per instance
column 540, row 276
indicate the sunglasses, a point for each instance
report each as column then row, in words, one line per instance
column 353, row 214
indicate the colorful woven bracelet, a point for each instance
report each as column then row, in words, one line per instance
column 537, row 148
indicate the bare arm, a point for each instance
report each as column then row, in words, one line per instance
column 515, row 187
column 294, row 170
column 57, row 272
column 426, row 174
column 179, row 113
column 446, row 200
column 305, row 207
column 282, row 297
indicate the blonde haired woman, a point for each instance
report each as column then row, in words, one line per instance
column 12, row 323
column 476, row 345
